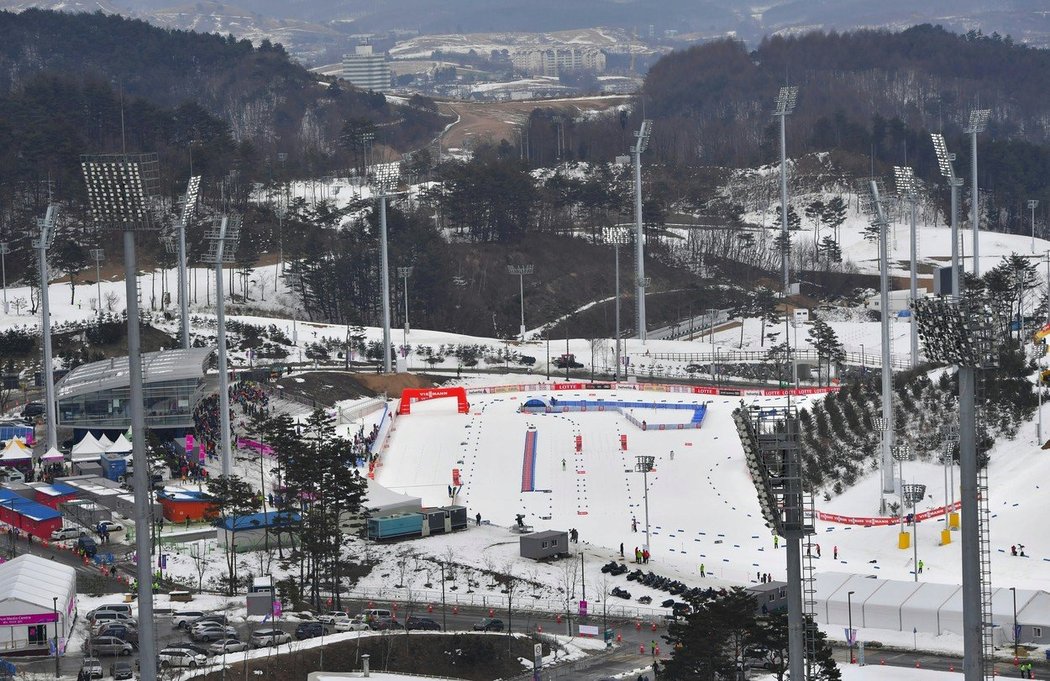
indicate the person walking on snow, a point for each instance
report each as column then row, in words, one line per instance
column 637, row 555
column 835, row 552
column 702, row 573
column 921, row 565
column 818, row 550
column 776, row 542
column 563, row 464
column 621, row 549
column 634, row 524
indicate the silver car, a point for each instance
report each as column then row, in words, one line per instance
column 109, row 645
column 229, row 645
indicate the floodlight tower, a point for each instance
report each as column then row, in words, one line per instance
column 641, row 143
column 189, row 205
column 521, row 271
column 5, row 248
column 913, row 494
column 961, row 333
column 228, row 230
column 405, row 273
column 873, row 206
column 120, row 188
column 785, row 104
column 384, row 178
column 978, row 122
column 617, row 236
column 1032, row 203
column 945, row 160
column 42, row 244
column 644, row 465
column 907, row 188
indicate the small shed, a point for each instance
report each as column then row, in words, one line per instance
column 92, row 467
column 252, row 532
column 769, row 597
column 30, row 615
column 114, row 465
column 54, row 494
column 543, row 545
column 182, row 505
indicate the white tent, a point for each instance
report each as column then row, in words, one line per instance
column 105, row 443
column 883, row 609
column 120, row 446
column 839, row 602
column 1034, row 618
column 826, row 584
column 922, row 610
column 382, row 501
column 87, row 449
column 28, row 585
column 52, row 455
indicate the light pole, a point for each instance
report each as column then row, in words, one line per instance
column 5, row 248
column 54, row 610
column 617, row 236
column 120, row 188
column 913, row 494
column 1032, row 203
column 189, row 205
column 1013, row 591
column 849, row 607
column 878, row 218
column 228, row 230
column 639, row 147
column 42, row 243
column 521, row 271
column 98, row 255
column 978, row 122
column 643, row 465
column 944, row 161
column 785, row 104
column 901, row 453
column 906, row 185
column 384, row 178
column 949, row 439
column 405, row 273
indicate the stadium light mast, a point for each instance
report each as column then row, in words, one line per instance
column 644, row 465
column 1032, row 203
column 521, row 271
column 42, row 244
column 5, row 248
column 384, row 178
column 641, row 143
column 978, row 123
column 98, row 255
column 617, row 236
column 873, row 206
column 907, row 188
column 405, row 273
column 945, row 161
column 785, row 105
column 228, row 230
column 120, row 188
column 189, row 205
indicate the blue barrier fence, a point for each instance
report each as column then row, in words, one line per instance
column 564, row 406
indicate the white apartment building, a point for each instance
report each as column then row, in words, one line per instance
column 366, row 69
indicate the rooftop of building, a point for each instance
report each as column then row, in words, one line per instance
column 163, row 365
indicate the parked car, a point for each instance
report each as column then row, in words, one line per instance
column 103, row 618
column 93, row 667
column 121, row 630
column 489, row 624
column 109, row 645
column 65, row 533
column 310, row 630
column 372, row 614
column 124, row 608
column 269, row 637
column 422, row 623
column 217, row 618
column 333, row 616
column 122, row 669
column 110, row 527
column 186, row 645
column 213, row 633
column 227, row 645
column 384, row 623
column 185, row 618
column 355, row 623
column 180, row 657
column 32, row 410
column 87, row 545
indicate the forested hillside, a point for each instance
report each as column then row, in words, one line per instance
column 867, row 93
column 233, row 106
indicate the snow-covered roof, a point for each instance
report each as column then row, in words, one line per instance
column 37, row 581
column 165, row 365
column 27, row 507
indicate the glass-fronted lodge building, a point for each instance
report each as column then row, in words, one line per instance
column 95, row 397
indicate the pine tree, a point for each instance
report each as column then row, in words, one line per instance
column 835, row 214
column 707, row 643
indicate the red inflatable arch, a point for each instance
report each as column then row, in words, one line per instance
column 410, row 395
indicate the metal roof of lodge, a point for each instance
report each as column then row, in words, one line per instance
column 164, row 365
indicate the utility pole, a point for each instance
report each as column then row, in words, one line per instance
column 405, row 273
column 1032, row 203
column 5, row 248
column 521, row 271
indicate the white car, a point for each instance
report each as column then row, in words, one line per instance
column 229, row 645
column 185, row 618
column 65, row 533
column 356, row 623
column 180, row 657
column 269, row 637
column 111, row 527
column 332, row 617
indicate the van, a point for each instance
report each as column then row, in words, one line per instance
column 87, row 545
column 375, row 614
column 112, row 607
